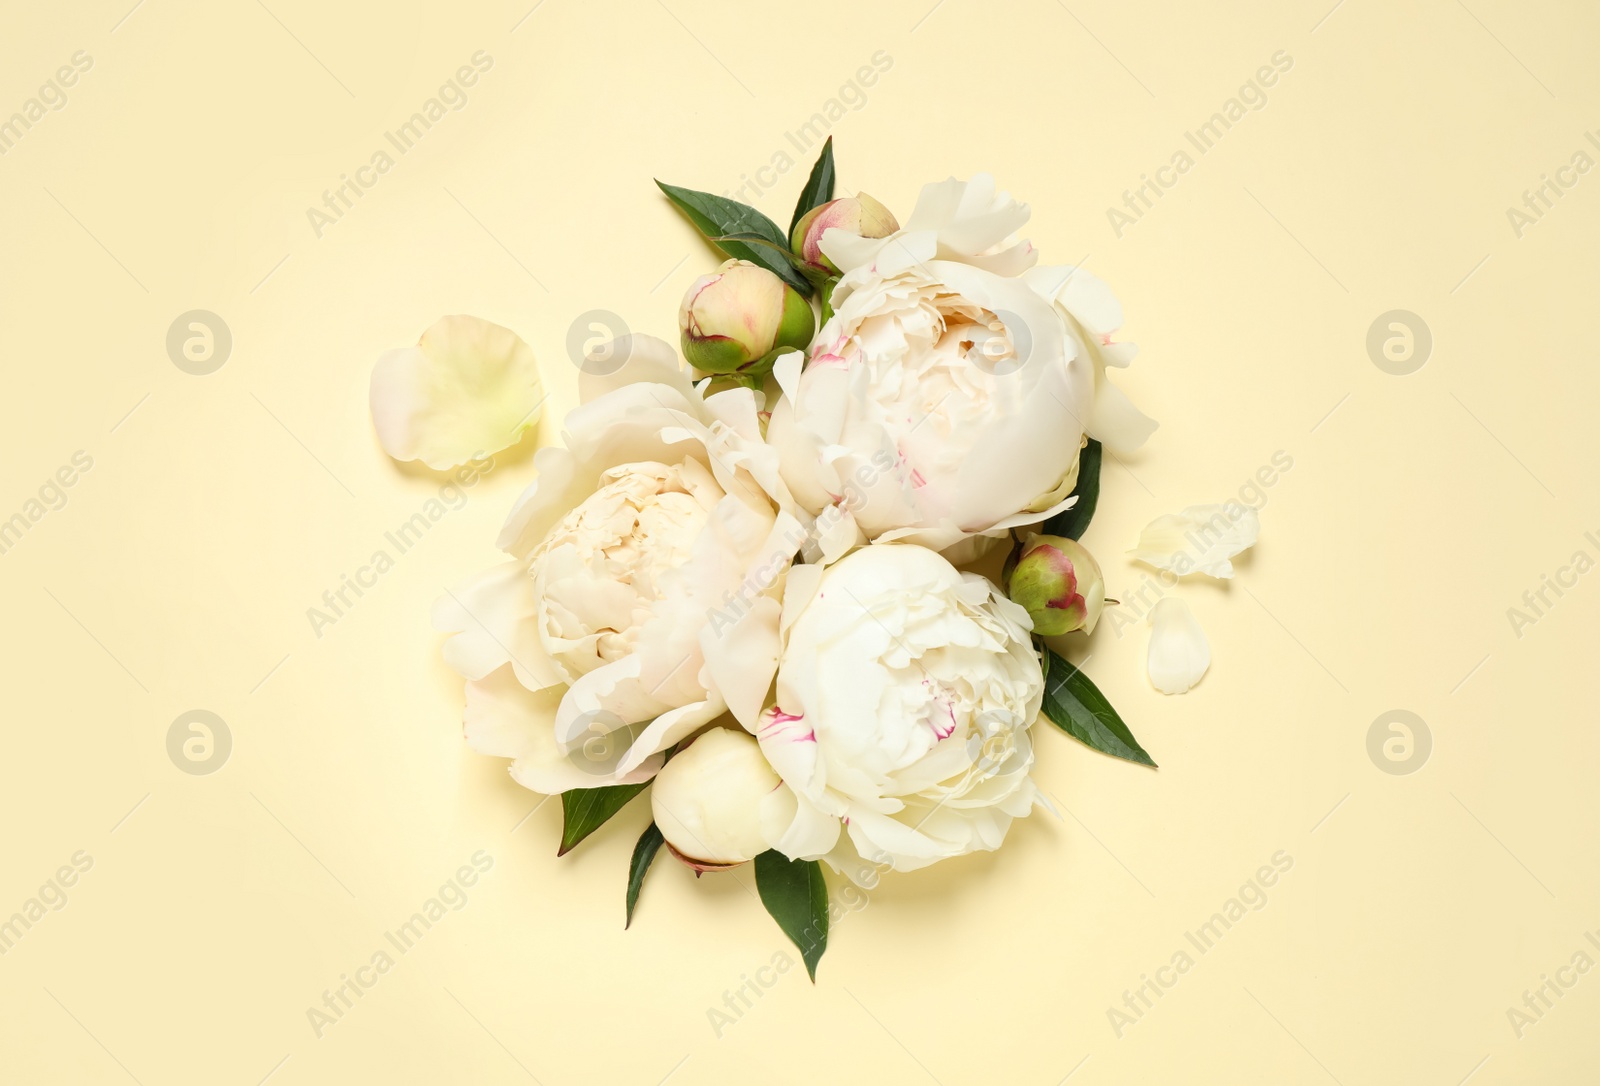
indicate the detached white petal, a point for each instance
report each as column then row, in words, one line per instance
column 1200, row 539
column 468, row 388
column 1179, row 652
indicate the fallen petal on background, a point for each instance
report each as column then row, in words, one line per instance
column 1179, row 652
column 1200, row 539
column 468, row 388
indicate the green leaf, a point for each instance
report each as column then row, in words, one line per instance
column 1076, row 706
column 797, row 897
column 720, row 218
column 748, row 237
column 819, row 186
column 584, row 810
column 1073, row 522
column 826, row 293
column 644, row 853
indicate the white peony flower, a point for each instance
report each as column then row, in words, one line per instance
column 948, row 396
column 466, row 389
column 905, row 694
column 707, row 800
column 648, row 562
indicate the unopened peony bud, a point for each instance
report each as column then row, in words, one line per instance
column 856, row 215
column 707, row 800
column 734, row 318
column 1060, row 585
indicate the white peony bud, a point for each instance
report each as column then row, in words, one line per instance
column 707, row 800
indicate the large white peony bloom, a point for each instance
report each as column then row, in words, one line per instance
column 905, row 693
column 949, row 394
column 648, row 563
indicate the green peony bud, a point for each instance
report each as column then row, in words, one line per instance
column 1060, row 585
column 857, row 215
column 733, row 319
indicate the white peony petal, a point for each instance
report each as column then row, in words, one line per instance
column 1091, row 301
column 504, row 720
column 742, row 657
column 650, row 744
column 796, row 828
column 799, row 586
column 1200, row 539
column 629, row 360
column 1115, row 421
column 610, row 692
column 468, row 388
column 492, row 617
column 1179, row 654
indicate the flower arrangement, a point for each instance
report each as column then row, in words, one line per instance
column 749, row 586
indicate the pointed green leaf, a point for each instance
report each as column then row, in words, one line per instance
column 584, row 810
column 643, row 854
column 782, row 251
column 718, row 217
column 797, row 897
column 1073, row 522
column 1076, row 706
column 819, row 186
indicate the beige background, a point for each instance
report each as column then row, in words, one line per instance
column 219, row 508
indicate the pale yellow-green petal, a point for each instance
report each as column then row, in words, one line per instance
column 468, row 388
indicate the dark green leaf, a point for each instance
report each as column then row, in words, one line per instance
column 718, row 217
column 749, row 238
column 1073, row 522
column 797, row 897
column 643, row 854
column 584, row 810
column 819, row 186
column 1076, row 706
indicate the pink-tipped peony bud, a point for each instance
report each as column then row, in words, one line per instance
column 707, row 800
column 853, row 214
column 733, row 319
column 1058, row 582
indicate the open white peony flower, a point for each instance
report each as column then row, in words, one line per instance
column 1179, row 653
column 905, row 694
column 948, row 396
column 1200, row 539
column 468, row 388
column 648, row 562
